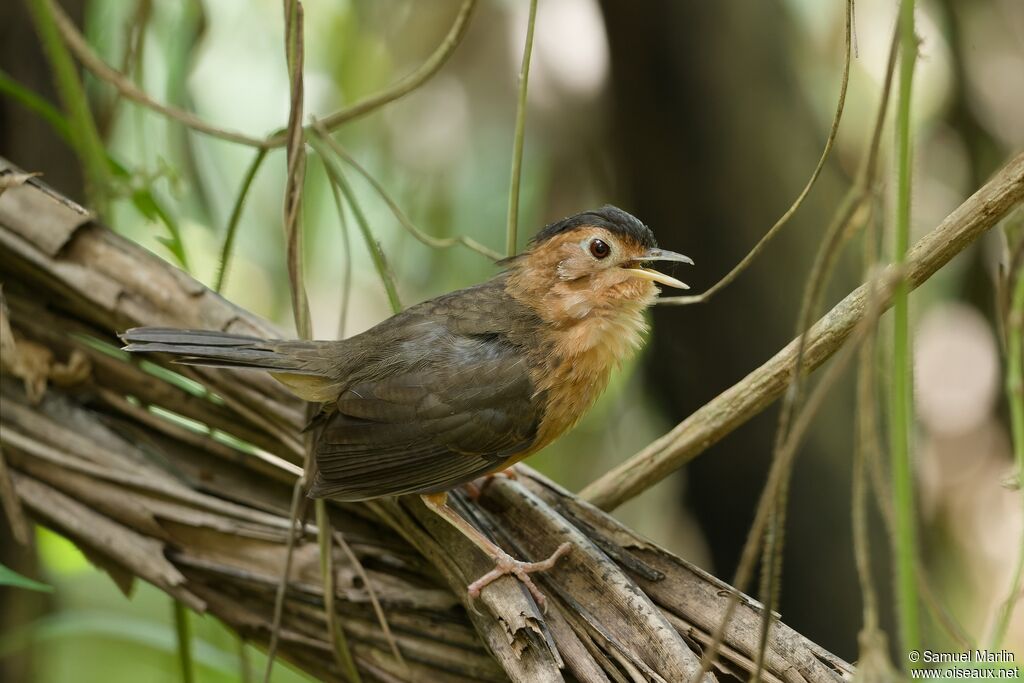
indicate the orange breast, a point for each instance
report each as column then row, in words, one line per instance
column 578, row 362
column 588, row 329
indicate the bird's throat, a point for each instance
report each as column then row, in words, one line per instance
column 581, row 344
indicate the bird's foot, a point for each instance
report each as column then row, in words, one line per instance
column 476, row 488
column 505, row 564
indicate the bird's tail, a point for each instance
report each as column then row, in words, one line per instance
column 305, row 367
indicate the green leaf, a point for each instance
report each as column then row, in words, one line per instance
column 33, row 102
column 143, row 199
column 146, row 203
column 134, row 632
column 9, row 577
column 85, row 138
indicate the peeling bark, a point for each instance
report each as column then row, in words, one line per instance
column 189, row 490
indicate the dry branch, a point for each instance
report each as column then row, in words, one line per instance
column 763, row 386
column 204, row 517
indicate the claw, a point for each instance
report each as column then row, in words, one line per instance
column 505, row 564
column 477, row 487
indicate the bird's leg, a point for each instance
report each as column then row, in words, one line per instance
column 503, row 562
column 477, row 487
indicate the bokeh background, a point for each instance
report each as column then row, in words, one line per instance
column 704, row 119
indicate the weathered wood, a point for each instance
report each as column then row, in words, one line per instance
column 199, row 506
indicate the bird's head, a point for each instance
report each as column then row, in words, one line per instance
column 595, row 260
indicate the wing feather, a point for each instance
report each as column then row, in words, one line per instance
column 427, row 426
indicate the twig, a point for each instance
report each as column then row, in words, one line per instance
column 761, row 387
column 80, row 47
column 1015, row 394
column 901, row 401
column 183, row 631
column 738, row 269
column 884, row 502
column 213, row 539
column 13, row 512
column 275, row 623
column 335, row 634
column 37, row 104
column 511, row 228
column 147, row 203
column 244, row 665
column 405, row 85
column 322, row 143
column 236, row 215
column 85, row 138
column 77, row 43
column 865, row 448
column 378, row 609
column 296, row 153
column 781, row 464
column 874, row 662
column 346, row 292
column 824, row 262
column 837, row 231
column 828, row 251
column 535, row 530
column 864, row 441
column 429, row 240
column 135, row 38
column 131, row 61
column 346, row 245
column 867, row 474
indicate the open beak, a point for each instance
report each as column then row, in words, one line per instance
column 655, row 276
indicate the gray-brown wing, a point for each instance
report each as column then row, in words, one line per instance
column 454, row 414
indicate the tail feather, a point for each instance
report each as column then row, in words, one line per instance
column 220, row 349
column 308, row 368
column 172, row 335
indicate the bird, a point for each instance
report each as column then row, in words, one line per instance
column 464, row 385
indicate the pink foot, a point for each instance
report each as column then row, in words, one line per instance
column 506, row 564
column 476, row 488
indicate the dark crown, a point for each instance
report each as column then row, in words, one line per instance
column 612, row 219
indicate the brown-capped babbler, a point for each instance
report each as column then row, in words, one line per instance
column 467, row 384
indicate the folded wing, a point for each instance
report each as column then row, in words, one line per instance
column 430, row 426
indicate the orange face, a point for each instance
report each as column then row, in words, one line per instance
column 589, row 286
column 592, row 267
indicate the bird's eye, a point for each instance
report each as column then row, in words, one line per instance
column 599, row 249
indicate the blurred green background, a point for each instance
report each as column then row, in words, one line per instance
column 703, row 119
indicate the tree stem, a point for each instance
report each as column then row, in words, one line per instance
column 517, row 144
column 901, row 400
